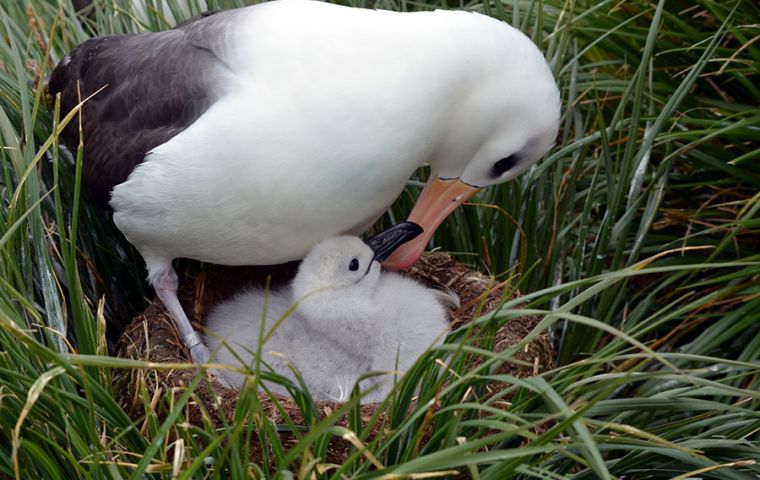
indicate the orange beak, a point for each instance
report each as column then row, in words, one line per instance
column 438, row 199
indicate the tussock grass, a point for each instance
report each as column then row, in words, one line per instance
column 637, row 241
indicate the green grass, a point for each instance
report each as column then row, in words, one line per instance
column 637, row 241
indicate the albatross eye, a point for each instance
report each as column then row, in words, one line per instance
column 354, row 265
column 503, row 165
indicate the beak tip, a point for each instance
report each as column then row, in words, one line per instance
column 385, row 243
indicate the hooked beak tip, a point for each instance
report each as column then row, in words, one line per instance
column 386, row 242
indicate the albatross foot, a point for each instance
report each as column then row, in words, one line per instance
column 199, row 353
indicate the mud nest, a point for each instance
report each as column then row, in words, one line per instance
column 153, row 337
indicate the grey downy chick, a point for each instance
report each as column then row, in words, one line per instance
column 350, row 319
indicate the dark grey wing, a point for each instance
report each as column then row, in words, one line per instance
column 153, row 86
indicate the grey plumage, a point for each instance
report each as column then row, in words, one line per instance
column 347, row 323
column 150, row 87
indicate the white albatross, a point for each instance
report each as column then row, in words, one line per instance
column 350, row 319
column 244, row 137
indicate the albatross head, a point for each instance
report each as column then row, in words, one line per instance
column 504, row 123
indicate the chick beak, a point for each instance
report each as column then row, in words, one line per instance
column 436, row 202
column 386, row 242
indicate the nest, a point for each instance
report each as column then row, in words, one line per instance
column 153, row 337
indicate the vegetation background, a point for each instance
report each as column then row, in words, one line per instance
column 637, row 241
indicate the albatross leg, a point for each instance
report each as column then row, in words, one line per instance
column 164, row 280
column 165, row 283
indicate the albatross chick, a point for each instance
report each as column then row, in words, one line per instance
column 349, row 319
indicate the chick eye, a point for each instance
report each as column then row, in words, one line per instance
column 354, row 265
column 503, row 165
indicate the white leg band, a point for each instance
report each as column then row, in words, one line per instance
column 192, row 339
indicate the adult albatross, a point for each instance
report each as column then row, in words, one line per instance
column 246, row 136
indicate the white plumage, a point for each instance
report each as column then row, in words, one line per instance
column 293, row 121
column 346, row 323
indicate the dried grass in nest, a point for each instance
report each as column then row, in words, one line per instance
column 153, row 337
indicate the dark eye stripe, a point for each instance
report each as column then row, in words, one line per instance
column 503, row 165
